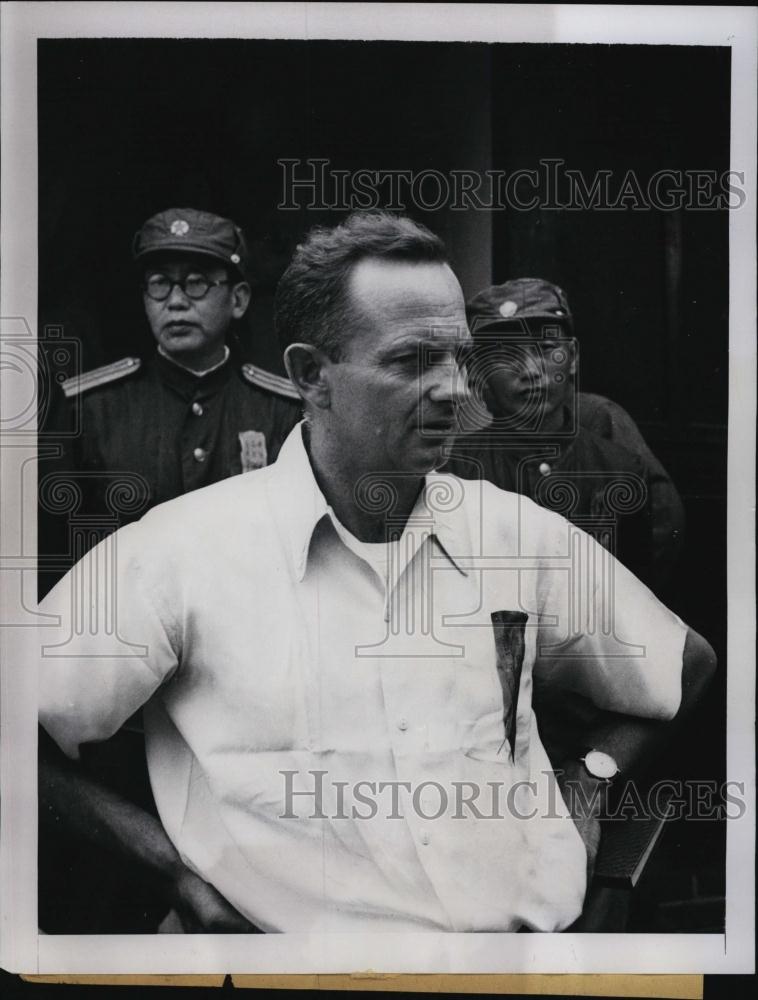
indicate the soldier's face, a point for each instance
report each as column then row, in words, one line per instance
column 189, row 329
column 532, row 378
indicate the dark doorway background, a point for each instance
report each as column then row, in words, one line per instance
column 129, row 127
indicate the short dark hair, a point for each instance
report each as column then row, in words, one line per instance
column 311, row 303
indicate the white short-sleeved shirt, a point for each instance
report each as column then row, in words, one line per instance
column 274, row 660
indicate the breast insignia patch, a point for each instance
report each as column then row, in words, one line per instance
column 253, row 450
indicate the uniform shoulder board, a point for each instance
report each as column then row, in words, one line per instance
column 100, row 376
column 267, row 380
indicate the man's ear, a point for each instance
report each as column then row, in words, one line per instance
column 306, row 366
column 240, row 299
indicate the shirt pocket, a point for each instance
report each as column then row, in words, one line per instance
column 492, row 687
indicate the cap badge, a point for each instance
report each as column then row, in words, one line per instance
column 179, row 227
column 508, row 308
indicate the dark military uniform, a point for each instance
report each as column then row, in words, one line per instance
column 590, row 478
column 179, row 431
column 608, row 420
column 600, row 472
column 138, row 433
column 593, row 482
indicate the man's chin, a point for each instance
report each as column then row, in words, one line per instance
column 184, row 349
column 179, row 342
column 432, row 454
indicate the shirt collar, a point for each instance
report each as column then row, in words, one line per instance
column 300, row 506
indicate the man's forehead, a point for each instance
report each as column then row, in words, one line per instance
column 405, row 290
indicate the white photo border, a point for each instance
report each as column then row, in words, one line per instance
column 23, row 949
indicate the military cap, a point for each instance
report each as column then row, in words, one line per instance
column 502, row 307
column 188, row 230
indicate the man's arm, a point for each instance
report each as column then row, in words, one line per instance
column 632, row 742
column 99, row 816
column 85, row 697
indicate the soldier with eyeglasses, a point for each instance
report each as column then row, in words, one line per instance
column 194, row 412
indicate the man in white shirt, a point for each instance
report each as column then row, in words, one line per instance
column 336, row 653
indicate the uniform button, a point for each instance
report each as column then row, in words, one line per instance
column 402, row 724
column 197, row 409
column 544, row 469
column 424, row 837
column 199, row 454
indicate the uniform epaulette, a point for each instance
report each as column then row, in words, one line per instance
column 267, row 380
column 100, row 376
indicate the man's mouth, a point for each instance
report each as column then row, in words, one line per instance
column 527, row 393
column 440, row 427
column 178, row 326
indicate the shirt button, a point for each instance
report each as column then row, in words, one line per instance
column 544, row 469
column 199, row 454
column 424, row 837
column 402, row 725
column 197, row 409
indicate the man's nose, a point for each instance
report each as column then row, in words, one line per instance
column 530, row 365
column 177, row 297
column 450, row 382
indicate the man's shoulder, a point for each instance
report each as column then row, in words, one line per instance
column 277, row 386
column 235, row 499
column 611, row 422
column 594, row 406
column 495, row 512
column 203, row 531
column 606, row 418
column 473, row 487
column 108, row 377
column 594, row 451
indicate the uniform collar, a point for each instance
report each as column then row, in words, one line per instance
column 300, row 506
column 193, row 371
column 189, row 385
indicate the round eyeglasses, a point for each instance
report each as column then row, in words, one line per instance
column 195, row 286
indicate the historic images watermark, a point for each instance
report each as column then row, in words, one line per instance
column 312, row 794
column 313, row 183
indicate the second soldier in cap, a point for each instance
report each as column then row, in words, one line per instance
column 577, row 453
